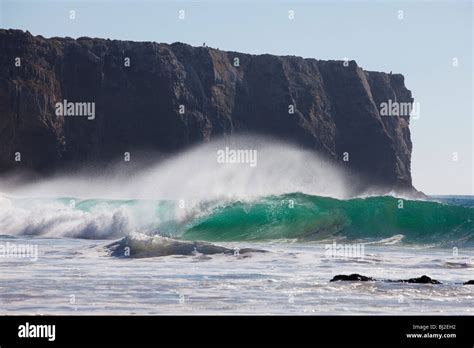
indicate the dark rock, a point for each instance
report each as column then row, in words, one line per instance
column 357, row 277
column 421, row 280
column 352, row 277
column 469, row 282
column 137, row 107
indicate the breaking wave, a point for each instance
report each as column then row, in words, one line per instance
column 290, row 216
column 287, row 193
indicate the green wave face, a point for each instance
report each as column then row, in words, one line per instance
column 303, row 217
column 292, row 216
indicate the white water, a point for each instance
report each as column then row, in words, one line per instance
column 69, row 269
column 50, row 218
column 72, row 276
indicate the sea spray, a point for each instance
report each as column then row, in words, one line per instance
column 196, row 176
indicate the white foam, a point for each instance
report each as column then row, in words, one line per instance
column 54, row 219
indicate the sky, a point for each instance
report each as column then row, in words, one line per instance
column 422, row 42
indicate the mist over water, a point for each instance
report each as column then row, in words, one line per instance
column 196, row 175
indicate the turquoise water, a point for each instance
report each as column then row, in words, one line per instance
column 314, row 218
column 74, row 273
column 296, row 216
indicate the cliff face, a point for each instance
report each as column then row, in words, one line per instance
column 138, row 107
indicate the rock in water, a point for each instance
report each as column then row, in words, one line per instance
column 169, row 97
column 469, row 282
column 421, row 280
column 353, row 277
column 360, row 278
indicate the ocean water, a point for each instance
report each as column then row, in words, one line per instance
column 309, row 240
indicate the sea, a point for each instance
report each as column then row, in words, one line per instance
column 55, row 257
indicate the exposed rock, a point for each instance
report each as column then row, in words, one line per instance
column 469, row 282
column 137, row 107
column 421, row 280
column 353, row 277
column 360, row 278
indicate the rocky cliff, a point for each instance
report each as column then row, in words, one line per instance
column 151, row 96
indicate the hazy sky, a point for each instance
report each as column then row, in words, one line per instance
column 421, row 46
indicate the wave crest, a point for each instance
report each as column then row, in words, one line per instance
column 294, row 216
